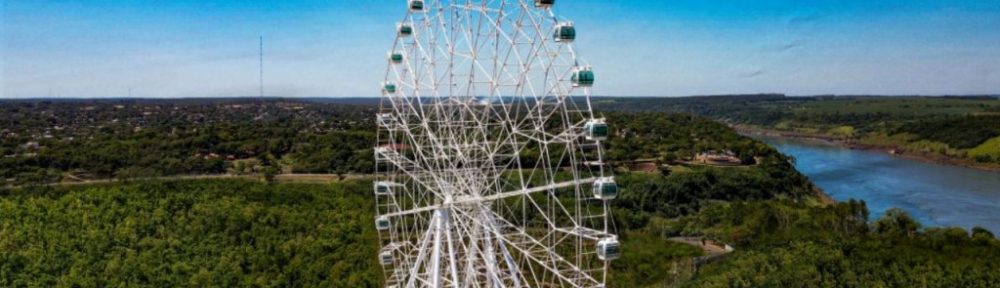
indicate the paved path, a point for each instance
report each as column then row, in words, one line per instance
column 296, row 178
column 710, row 247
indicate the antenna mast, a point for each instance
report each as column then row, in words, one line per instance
column 262, row 66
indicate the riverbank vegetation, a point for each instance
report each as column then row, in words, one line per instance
column 668, row 138
column 962, row 129
column 784, row 244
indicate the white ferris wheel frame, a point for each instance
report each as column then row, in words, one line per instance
column 487, row 172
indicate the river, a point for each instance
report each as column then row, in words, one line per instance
column 936, row 195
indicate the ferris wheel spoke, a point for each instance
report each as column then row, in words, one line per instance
column 489, row 198
column 406, row 166
column 420, row 258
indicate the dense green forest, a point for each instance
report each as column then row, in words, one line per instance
column 222, row 233
column 248, row 233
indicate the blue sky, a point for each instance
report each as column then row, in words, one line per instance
column 181, row 48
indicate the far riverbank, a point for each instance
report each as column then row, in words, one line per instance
column 851, row 143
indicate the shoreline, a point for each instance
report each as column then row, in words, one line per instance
column 850, row 144
column 822, row 197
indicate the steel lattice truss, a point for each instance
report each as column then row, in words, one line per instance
column 489, row 159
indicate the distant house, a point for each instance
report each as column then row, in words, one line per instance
column 206, row 155
column 643, row 166
column 32, row 146
column 725, row 158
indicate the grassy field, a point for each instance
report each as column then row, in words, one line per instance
column 989, row 148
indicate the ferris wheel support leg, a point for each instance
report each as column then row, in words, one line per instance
column 471, row 258
column 451, row 255
column 436, row 256
column 491, row 257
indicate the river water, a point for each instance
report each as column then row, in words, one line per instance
column 937, row 195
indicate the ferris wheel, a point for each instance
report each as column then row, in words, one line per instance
column 489, row 159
